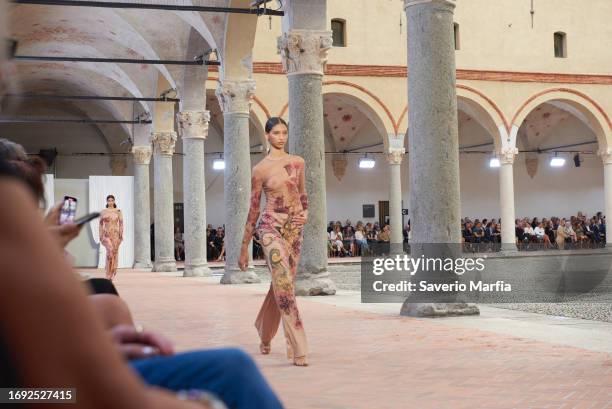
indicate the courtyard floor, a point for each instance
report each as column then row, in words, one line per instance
column 367, row 356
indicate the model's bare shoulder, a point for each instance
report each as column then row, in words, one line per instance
column 299, row 160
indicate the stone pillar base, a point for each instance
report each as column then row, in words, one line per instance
column 508, row 248
column 146, row 265
column 197, row 270
column 167, row 266
column 314, row 284
column 240, row 277
column 432, row 310
column 396, row 249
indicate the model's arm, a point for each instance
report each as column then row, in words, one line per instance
column 302, row 189
column 101, row 227
column 120, row 226
column 49, row 328
column 249, row 228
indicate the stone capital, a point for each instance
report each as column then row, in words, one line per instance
column 193, row 124
column 304, row 51
column 606, row 156
column 163, row 142
column 235, row 96
column 142, row 155
column 450, row 4
column 395, row 156
column 507, row 155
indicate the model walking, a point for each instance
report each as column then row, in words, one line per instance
column 281, row 176
column 111, row 234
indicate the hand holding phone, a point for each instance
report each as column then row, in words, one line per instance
column 87, row 218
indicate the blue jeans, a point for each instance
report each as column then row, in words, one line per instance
column 228, row 373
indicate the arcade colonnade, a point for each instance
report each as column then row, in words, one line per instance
column 303, row 47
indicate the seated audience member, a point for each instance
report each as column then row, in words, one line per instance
column 602, row 227
column 478, row 233
column 561, row 235
column 519, row 232
column 348, row 231
column 579, row 229
column 491, row 233
column 370, row 233
column 592, row 231
column 361, row 241
column 385, row 235
column 336, row 239
column 540, row 234
column 569, row 232
column 330, row 227
column 219, row 243
column 534, row 223
column 528, row 230
column 81, row 355
column 466, row 232
column 550, row 231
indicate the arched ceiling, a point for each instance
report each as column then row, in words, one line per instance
column 537, row 128
column 345, row 117
column 106, row 33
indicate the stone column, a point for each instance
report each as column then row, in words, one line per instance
column 163, row 148
column 142, row 215
column 193, row 127
column 304, row 54
column 235, row 101
column 394, row 157
column 506, row 198
column 433, row 137
column 606, row 156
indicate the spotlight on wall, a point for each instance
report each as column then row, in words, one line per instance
column 219, row 163
column 494, row 163
column 366, row 163
column 557, row 162
column 577, row 160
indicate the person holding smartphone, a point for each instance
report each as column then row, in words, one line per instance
column 111, row 235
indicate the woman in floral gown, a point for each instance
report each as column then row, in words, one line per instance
column 281, row 177
column 111, row 234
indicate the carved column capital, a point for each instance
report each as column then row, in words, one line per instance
column 163, row 142
column 507, row 155
column 193, row 124
column 304, row 51
column 395, row 156
column 449, row 4
column 606, row 156
column 142, row 155
column 235, row 96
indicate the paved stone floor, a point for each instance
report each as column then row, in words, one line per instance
column 370, row 357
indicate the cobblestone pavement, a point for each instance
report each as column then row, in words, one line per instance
column 364, row 360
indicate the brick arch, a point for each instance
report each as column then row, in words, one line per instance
column 490, row 111
column 368, row 97
column 597, row 118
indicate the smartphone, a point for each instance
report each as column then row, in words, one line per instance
column 87, row 218
column 68, row 210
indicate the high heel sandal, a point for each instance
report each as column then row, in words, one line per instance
column 300, row 361
column 264, row 349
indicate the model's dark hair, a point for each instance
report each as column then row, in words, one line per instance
column 111, row 197
column 273, row 121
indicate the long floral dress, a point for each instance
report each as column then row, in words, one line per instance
column 282, row 181
column 111, row 236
